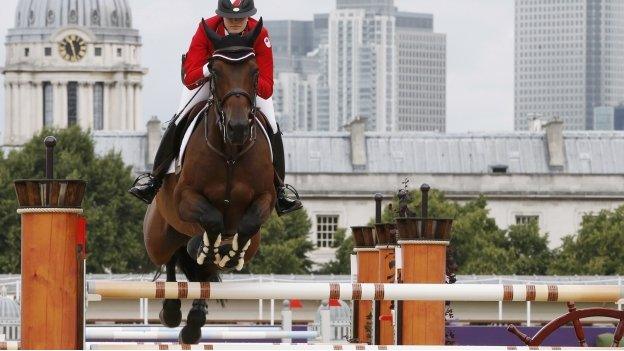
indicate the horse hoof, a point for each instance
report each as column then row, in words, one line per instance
column 171, row 315
column 196, row 318
column 189, row 335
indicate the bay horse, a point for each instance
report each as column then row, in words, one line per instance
column 207, row 217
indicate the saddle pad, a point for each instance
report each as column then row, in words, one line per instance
column 176, row 165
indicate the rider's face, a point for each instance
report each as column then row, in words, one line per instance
column 235, row 25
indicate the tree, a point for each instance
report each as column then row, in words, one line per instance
column 480, row 246
column 115, row 241
column 597, row 248
column 284, row 246
column 528, row 249
column 342, row 263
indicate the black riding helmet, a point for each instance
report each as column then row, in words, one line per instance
column 236, row 9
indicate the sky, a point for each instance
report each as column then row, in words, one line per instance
column 479, row 51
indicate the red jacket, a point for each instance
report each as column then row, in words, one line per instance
column 201, row 50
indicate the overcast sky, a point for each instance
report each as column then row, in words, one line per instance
column 479, row 51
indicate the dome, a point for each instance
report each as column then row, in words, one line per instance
column 63, row 13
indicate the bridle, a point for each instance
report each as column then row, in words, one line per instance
column 232, row 55
column 236, row 55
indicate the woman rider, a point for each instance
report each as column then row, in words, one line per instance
column 233, row 18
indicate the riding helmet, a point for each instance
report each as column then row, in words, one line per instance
column 236, row 8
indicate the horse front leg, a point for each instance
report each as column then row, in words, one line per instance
column 196, row 208
column 170, row 315
column 233, row 255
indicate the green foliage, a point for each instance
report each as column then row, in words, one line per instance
column 115, row 240
column 481, row 247
column 284, row 246
column 597, row 248
column 342, row 263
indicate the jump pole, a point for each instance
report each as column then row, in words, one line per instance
column 52, row 260
column 367, row 272
column 354, row 291
column 423, row 243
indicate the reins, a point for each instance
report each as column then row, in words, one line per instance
column 230, row 160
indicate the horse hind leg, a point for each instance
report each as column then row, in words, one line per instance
column 171, row 313
column 196, row 318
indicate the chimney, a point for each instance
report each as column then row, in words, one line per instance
column 357, row 127
column 154, row 134
column 554, row 137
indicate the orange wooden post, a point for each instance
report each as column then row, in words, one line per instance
column 423, row 245
column 52, row 308
column 386, row 242
column 367, row 272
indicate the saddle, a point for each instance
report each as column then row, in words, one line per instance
column 188, row 123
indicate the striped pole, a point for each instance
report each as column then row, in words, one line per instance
column 355, row 291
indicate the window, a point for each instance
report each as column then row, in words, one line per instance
column 98, row 52
column 119, row 52
column 26, row 52
column 522, row 219
column 47, row 51
column 48, row 105
column 98, row 106
column 72, row 103
column 326, row 227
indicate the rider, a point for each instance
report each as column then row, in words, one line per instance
column 233, row 18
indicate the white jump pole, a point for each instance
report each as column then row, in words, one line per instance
column 172, row 334
column 324, row 347
column 144, row 328
column 10, row 345
column 356, row 291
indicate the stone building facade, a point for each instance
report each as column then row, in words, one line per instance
column 72, row 62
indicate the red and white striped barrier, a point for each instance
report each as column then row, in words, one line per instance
column 355, row 291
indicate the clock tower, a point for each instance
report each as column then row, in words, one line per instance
column 69, row 63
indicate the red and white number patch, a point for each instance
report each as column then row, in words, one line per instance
column 267, row 42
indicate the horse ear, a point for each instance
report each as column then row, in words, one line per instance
column 211, row 34
column 255, row 33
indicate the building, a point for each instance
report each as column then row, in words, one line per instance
column 604, row 118
column 296, row 75
column 421, row 74
column 552, row 176
column 568, row 59
column 368, row 59
column 76, row 62
column 362, row 68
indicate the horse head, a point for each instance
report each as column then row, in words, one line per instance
column 234, row 78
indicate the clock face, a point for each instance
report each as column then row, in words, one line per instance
column 72, row 48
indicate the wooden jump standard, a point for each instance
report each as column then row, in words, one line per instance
column 354, row 291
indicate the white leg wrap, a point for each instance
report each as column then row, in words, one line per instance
column 266, row 106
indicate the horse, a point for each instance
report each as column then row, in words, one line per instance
column 206, row 218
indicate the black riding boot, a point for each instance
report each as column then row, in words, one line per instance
column 284, row 204
column 146, row 186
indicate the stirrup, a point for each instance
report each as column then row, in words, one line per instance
column 291, row 188
column 141, row 177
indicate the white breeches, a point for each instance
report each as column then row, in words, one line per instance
column 266, row 106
